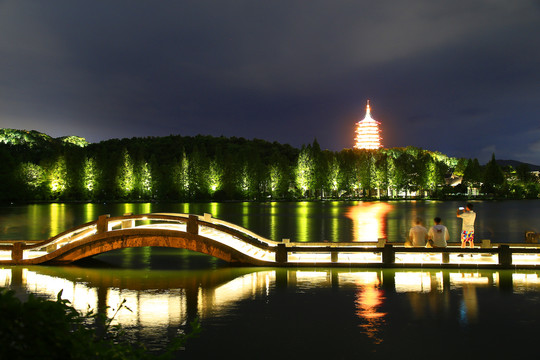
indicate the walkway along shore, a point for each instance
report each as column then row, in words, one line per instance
column 240, row 246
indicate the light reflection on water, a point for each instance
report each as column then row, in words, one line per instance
column 332, row 221
column 356, row 310
column 379, row 300
column 369, row 220
column 368, row 302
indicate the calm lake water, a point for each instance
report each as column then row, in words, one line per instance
column 316, row 313
column 499, row 221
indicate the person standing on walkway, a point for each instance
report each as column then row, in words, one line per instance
column 417, row 234
column 438, row 234
column 467, row 230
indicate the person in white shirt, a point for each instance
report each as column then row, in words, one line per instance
column 438, row 234
column 467, row 230
column 418, row 234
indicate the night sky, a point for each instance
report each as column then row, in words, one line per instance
column 459, row 77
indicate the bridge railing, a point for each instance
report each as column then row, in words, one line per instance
column 396, row 255
column 229, row 234
column 208, row 220
column 192, row 224
column 226, row 233
column 19, row 250
column 283, row 253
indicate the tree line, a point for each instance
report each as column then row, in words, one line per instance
column 37, row 167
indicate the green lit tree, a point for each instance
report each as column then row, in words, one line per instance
column 420, row 173
column 305, row 171
column 275, row 179
column 57, row 178
column 145, row 180
column 380, row 172
column 320, row 168
column 523, row 174
column 350, row 173
column 198, row 174
column 246, row 181
column 393, row 181
column 472, row 175
column 255, row 174
column 33, row 178
column 404, row 170
column 90, row 177
column 215, row 175
column 364, row 168
column 9, row 188
column 334, row 178
column 180, row 177
column 74, row 140
column 279, row 175
column 436, row 171
column 521, row 182
column 125, row 178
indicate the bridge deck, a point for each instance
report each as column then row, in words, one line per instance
column 239, row 245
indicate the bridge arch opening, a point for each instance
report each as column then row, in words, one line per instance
column 154, row 258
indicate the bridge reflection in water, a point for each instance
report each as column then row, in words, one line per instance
column 160, row 302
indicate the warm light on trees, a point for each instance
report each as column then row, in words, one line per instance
column 57, row 177
column 334, row 175
column 125, row 178
column 145, row 180
column 305, row 168
column 215, row 174
column 203, row 168
column 31, row 175
column 180, row 176
column 90, row 174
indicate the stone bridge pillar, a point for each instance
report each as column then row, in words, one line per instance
column 17, row 251
column 388, row 255
column 505, row 256
column 281, row 254
column 192, row 225
column 103, row 224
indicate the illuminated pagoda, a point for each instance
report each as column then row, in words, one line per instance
column 368, row 132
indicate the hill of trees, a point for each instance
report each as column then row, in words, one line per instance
column 37, row 167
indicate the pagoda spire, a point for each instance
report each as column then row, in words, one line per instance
column 368, row 132
column 368, row 110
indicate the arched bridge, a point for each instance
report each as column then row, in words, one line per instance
column 236, row 244
column 203, row 234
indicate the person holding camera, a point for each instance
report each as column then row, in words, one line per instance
column 467, row 230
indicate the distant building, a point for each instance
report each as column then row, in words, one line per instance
column 368, row 132
column 454, row 180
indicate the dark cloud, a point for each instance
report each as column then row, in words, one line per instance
column 460, row 77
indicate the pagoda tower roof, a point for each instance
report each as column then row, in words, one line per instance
column 368, row 132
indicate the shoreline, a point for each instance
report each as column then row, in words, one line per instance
column 134, row 201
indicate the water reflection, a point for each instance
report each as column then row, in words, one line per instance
column 336, row 221
column 161, row 300
column 368, row 302
column 369, row 220
column 53, row 219
column 303, row 220
column 90, row 212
